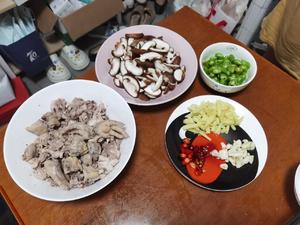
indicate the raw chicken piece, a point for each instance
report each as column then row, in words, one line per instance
column 59, row 106
column 106, row 164
column 71, row 164
column 77, row 147
column 91, row 174
column 86, row 159
column 80, row 129
column 53, row 170
column 78, row 107
column 111, row 150
column 98, row 115
column 30, row 152
column 40, row 173
column 39, row 127
column 51, row 119
column 77, row 144
column 109, row 128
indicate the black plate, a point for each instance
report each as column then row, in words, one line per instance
column 230, row 179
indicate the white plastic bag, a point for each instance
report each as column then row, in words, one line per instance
column 200, row 6
column 235, row 8
column 222, row 20
column 227, row 13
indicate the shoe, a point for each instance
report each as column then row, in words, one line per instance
column 160, row 6
column 142, row 2
column 149, row 13
column 58, row 72
column 134, row 16
column 128, row 4
column 75, row 57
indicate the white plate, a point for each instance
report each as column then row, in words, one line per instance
column 297, row 185
column 177, row 42
column 249, row 124
column 16, row 137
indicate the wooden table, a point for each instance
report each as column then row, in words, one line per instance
column 151, row 191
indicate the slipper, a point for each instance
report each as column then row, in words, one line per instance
column 134, row 16
column 75, row 57
column 135, row 20
column 149, row 13
column 58, row 72
column 160, row 6
column 142, row 2
column 128, row 4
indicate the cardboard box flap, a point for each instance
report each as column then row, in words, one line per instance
column 45, row 18
column 90, row 16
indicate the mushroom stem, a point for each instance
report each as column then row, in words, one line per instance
column 132, row 68
column 115, row 66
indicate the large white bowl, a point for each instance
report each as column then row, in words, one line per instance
column 16, row 137
column 227, row 48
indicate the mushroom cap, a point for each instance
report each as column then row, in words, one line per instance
column 131, row 86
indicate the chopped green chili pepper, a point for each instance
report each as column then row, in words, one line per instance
column 226, row 70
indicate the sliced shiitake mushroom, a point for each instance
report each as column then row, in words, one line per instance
column 135, row 43
column 177, row 60
column 123, row 69
column 145, row 65
column 170, row 77
column 166, row 90
column 160, row 51
column 158, row 83
column 136, row 52
column 123, row 42
column 148, row 37
column 119, row 50
column 131, row 86
column 171, row 86
column 143, row 97
column 172, row 66
column 115, row 66
column 170, row 57
column 150, row 56
column 118, row 80
column 178, row 75
column 133, row 68
column 152, row 74
column 148, row 44
column 162, row 67
column 130, row 41
column 134, row 35
column 160, row 44
column 150, row 92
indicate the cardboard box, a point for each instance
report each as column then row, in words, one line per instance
column 79, row 22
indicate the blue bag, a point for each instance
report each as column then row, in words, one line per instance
column 28, row 53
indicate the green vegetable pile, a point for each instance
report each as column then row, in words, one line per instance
column 226, row 70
